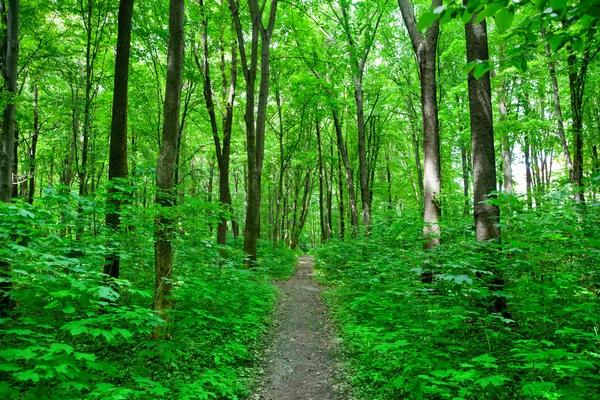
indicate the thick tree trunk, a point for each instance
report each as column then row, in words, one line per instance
column 425, row 48
column 165, row 197
column 486, row 215
column 8, row 58
column 117, row 158
column 482, row 136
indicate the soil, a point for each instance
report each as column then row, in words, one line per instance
column 301, row 361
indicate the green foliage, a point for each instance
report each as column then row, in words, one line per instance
column 71, row 334
column 410, row 339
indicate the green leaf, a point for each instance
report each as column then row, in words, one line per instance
column 53, row 304
column 480, row 69
column 60, row 347
column 426, row 20
column 556, row 42
column 496, row 380
column 559, row 5
column 28, row 376
column 69, row 310
column 9, row 367
column 489, row 10
column 504, row 19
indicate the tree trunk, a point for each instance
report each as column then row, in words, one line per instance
column 223, row 148
column 559, row 117
column 482, row 136
column 425, row 48
column 348, row 168
column 465, row 177
column 165, row 197
column 482, row 147
column 321, row 187
column 341, row 197
column 117, row 159
column 33, row 148
column 255, row 123
column 528, row 175
column 8, row 58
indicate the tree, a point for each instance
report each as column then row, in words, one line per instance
column 165, row 170
column 255, row 122
column 486, row 214
column 228, row 87
column 117, row 159
column 8, row 60
column 425, row 48
column 360, row 37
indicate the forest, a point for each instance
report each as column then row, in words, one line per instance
column 164, row 164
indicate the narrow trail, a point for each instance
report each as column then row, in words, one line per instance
column 300, row 361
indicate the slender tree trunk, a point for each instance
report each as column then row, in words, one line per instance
column 528, row 175
column 425, row 48
column 255, row 123
column 33, row 148
column 416, row 151
column 117, row 159
column 305, row 208
column 8, row 59
column 506, row 150
column 559, row 117
column 165, row 197
column 321, row 187
column 577, row 87
column 465, row 176
column 348, row 169
column 223, row 148
column 341, row 197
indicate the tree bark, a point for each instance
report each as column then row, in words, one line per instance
column 482, row 136
column 348, row 170
column 9, row 57
column 425, row 48
column 255, row 123
column 321, row 187
column 165, row 197
column 559, row 116
column 33, row 147
column 117, row 158
column 222, row 147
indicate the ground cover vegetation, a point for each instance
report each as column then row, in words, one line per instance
column 161, row 162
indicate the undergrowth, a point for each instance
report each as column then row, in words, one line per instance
column 71, row 335
column 408, row 339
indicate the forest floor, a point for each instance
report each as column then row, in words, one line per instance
column 301, row 361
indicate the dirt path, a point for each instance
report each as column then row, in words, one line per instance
column 299, row 363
